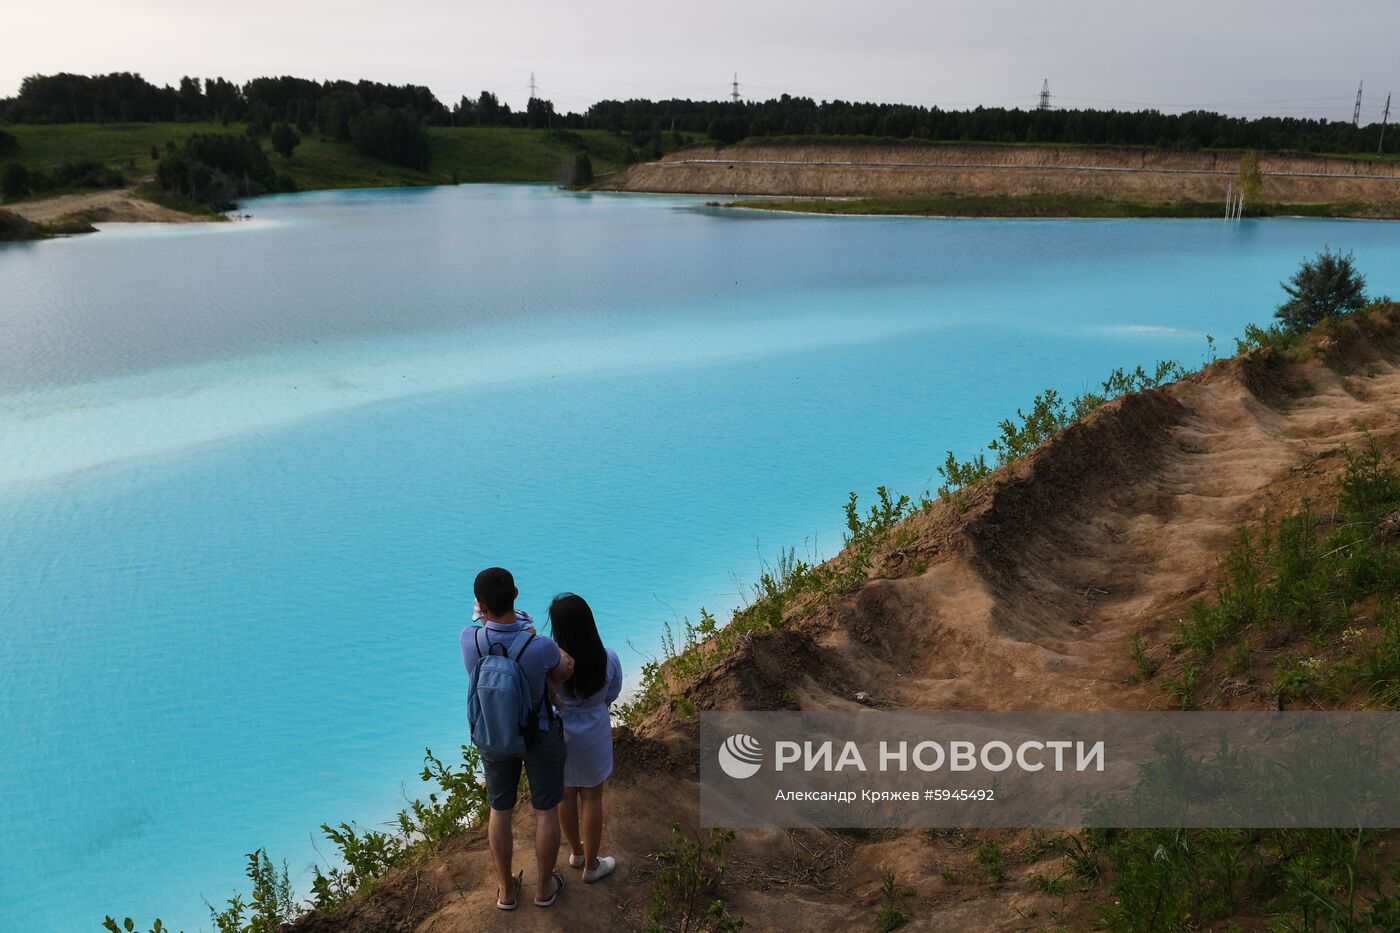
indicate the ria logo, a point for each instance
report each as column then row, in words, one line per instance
column 740, row 756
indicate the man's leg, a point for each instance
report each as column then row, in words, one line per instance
column 544, row 765
column 569, row 819
column 502, row 846
column 546, row 851
column 502, row 787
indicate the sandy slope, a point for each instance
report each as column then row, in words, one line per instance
column 1025, row 599
column 118, row 205
column 898, row 169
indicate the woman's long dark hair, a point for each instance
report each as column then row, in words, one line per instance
column 571, row 623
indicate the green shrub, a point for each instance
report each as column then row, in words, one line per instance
column 129, row 926
column 1049, row 414
column 1326, row 286
column 689, row 871
column 1274, row 337
column 457, row 805
column 270, row 903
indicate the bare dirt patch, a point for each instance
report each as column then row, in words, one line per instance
column 118, row 205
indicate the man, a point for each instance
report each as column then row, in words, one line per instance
column 541, row 661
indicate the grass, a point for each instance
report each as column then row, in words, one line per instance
column 1054, row 205
column 1322, row 586
column 1306, row 880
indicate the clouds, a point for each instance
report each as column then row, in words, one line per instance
column 1246, row 57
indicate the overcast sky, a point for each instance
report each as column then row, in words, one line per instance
column 1238, row 56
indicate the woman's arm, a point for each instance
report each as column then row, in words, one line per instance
column 614, row 678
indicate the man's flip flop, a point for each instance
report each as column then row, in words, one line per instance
column 558, row 886
column 520, row 877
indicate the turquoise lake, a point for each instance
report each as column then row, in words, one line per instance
column 248, row 470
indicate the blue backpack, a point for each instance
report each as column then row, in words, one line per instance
column 502, row 717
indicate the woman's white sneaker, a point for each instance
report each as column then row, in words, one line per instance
column 575, row 861
column 606, row 864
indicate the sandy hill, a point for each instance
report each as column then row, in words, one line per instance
column 880, row 169
column 1025, row 596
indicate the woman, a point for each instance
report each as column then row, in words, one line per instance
column 583, row 706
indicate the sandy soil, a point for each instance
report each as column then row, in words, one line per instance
column 118, row 205
column 1026, row 599
column 875, row 170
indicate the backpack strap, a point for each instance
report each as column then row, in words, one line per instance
column 518, row 646
column 483, row 644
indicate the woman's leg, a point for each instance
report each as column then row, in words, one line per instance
column 590, row 815
column 569, row 819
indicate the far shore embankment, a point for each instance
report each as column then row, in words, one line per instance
column 1335, row 186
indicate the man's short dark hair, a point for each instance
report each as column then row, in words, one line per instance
column 495, row 590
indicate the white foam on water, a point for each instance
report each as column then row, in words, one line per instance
column 53, row 433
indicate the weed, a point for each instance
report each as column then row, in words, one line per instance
column 894, row 897
column 1181, row 689
column 991, row 861
column 1083, row 859
column 1147, row 667
column 1044, row 884
column 129, row 926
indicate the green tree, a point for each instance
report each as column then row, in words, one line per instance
column 583, row 169
column 285, row 140
column 393, row 135
column 14, row 181
column 1249, row 178
column 1325, row 286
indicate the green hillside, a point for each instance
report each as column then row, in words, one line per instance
column 466, row 154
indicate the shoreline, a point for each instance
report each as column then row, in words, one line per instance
column 75, row 212
column 1039, row 207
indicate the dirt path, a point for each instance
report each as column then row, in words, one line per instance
column 1025, row 599
column 118, row 205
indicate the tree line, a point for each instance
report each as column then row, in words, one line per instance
column 729, row 122
column 392, row 116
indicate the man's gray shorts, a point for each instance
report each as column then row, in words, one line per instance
column 544, row 768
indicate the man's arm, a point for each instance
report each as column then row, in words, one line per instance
column 564, row 669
